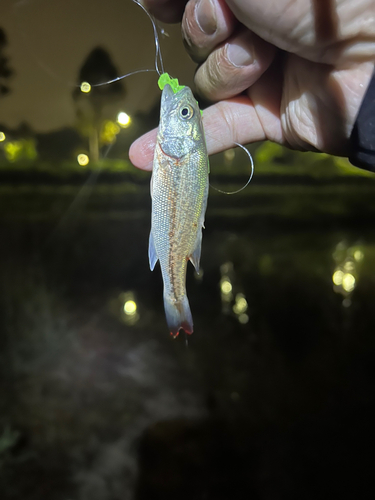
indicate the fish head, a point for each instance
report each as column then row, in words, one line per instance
column 180, row 128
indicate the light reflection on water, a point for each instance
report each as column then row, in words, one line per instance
column 347, row 272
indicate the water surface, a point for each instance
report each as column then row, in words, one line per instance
column 272, row 396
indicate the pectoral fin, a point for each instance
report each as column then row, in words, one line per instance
column 196, row 255
column 152, row 257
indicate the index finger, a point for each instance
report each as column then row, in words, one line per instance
column 167, row 11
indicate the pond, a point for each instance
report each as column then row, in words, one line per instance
column 271, row 397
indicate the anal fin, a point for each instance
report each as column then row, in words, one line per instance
column 196, row 255
column 152, row 257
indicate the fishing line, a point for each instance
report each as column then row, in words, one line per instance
column 159, row 66
column 251, row 173
column 158, row 56
column 122, row 77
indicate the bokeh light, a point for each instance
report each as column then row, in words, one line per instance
column 85, row 87
column 240, row 305
column 243, row 319
column 109, row 132
column 348, row 282
column 226, row 286
column 83, row 159
column 358, row 255
column 130, row 311
column 337, row 277
column 123, row 119
column 130, row 307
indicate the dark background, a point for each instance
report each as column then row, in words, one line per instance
column 272, row 397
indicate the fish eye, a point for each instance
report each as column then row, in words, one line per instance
column 186, row 112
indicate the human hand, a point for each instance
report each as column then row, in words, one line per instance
column 291, row 72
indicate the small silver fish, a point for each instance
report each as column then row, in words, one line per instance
column 179, row 191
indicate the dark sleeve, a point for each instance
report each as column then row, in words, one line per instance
column 362, row 139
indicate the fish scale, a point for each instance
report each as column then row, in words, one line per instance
column 179, row 190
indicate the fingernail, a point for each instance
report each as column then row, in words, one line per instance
column 206, row 16
column 240, row 53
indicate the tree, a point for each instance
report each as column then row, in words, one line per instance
column 5, row 71
column 100, row 103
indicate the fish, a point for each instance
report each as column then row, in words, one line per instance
column 179, row 193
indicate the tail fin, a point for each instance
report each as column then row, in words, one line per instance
column 178, row 316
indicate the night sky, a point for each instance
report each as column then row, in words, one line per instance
column 48, row 40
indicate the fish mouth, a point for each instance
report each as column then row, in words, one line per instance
column 167, row 94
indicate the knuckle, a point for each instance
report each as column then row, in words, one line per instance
column 213, row 76
column 228, row 118
column 298, row 125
